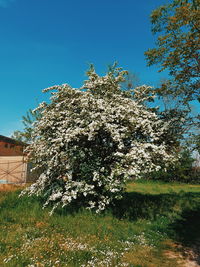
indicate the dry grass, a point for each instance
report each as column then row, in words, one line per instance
column 11, row 187
column 146, row 256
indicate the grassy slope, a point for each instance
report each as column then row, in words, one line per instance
column 149, row 218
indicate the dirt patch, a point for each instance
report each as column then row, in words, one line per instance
column 185, row 256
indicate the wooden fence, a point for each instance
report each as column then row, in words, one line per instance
column 13, row 170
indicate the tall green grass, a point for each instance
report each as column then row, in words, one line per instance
column 140, row 224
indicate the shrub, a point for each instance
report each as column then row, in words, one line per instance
column 90, row 140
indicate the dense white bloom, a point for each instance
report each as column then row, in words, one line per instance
column 90, row 140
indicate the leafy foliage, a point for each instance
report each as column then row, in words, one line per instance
column 28, row 121
column 182, row 171
column 180, row 124
column 196, row 142
column 177, row 48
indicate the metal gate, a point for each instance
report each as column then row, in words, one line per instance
column 13, row 170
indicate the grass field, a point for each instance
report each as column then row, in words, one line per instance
column 153, row 226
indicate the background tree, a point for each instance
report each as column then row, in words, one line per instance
column 130, row 82
column 177, row 26
column 28, row 121
column 178, row 46
column 168, row 107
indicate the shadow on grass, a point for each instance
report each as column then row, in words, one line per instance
column 134, row 205
column 187, row 231
column 182, row 211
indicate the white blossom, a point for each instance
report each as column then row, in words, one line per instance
column 90, row 140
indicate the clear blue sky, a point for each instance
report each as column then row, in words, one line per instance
column 47, row 42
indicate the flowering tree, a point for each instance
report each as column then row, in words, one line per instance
column 90, row 140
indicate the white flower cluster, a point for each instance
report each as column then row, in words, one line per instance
column 90, row 140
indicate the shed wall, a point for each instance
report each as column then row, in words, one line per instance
column 7, row 149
